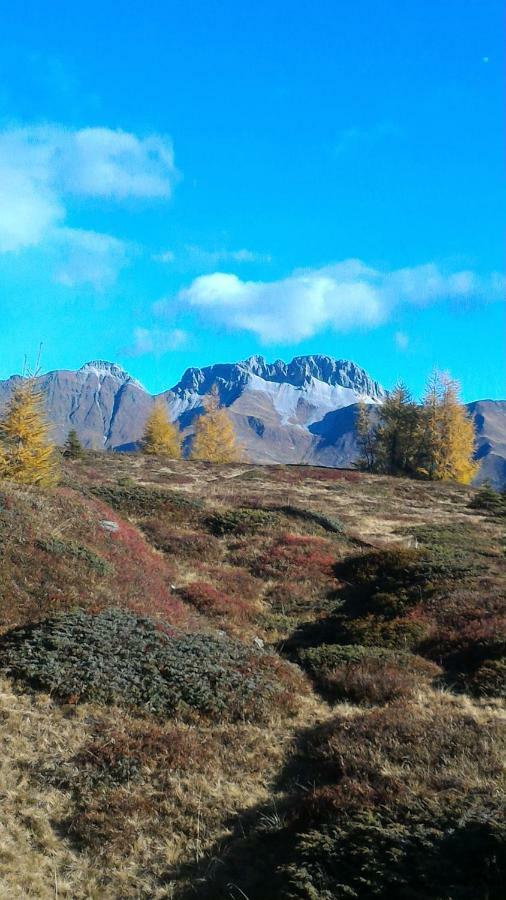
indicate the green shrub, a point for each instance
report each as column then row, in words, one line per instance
column 116, row 657
column 489, row 679
column 72, row 550
column 140, row 500
column 400, row 633
column 325, row 522
column 243, row 520
column 376, row 854
column 393, row 580
column 330, row 656
column 490, row 501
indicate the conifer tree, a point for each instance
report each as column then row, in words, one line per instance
column 161, row 437
column 448, row 433
column 366, row 439
column 214, row 439
column 28, row 454
column 72, row 449
column 397, row 433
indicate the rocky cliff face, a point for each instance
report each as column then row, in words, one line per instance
column 297, row 412
column 104, row 404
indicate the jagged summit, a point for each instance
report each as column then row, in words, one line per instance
column 302, row 411
column 231, row 378
column 103, row 368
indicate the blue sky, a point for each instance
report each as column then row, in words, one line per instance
column 189, row 182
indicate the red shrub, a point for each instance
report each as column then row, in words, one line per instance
column 181, row 545
column 297, row 557
column 212, row 602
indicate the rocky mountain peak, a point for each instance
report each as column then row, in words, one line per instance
column 102, row 368
column 232, row 377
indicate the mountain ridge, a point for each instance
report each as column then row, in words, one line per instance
column 301, row 411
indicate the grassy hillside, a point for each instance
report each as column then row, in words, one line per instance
column 242, row 681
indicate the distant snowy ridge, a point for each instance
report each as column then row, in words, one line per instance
column 303, row 411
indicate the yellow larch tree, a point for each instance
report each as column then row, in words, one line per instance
column 161, row 437
column 449, row 440
column 28, row 454
column 214, row 439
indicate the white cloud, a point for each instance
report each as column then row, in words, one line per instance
column 206, row 258
column 89, row 258
column 194, row 256
column 341, row 297
column 42, row 167
column 156, row 341
column 167, row 256
column 99, row 162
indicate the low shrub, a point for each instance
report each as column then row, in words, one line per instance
column 376, row 854
column 140, row 500
column 296, row 512
column 116, row 657
column 180, row 545
column 390, row 581
column 488, row 680
column 243, row 520
column 490, row 501
column 212, row 602
column 400, row 633
column 370, row 675
column 399, row 802
column 117, row 755
column 73, row 550
column 294, row 556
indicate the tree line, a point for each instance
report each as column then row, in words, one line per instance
column 30, row 457
column 433, row 439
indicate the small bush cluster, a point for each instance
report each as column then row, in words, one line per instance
column 399, row 802
column 489, row 501
column 214, row 603
column 389, row 582
column 73, row 550
column 139, row 500
column 116, row 657
column 118, row 755
column 370, row 675
column 180, row 545
column 332, row 525
column 296, row 556
column 243, row 520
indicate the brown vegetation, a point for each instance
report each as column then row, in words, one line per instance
column 375, row 608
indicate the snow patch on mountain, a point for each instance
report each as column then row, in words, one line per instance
column 103, row 369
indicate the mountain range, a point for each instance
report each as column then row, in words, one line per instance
column 297, row 412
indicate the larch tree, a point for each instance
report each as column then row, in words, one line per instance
column 214, row 439
column 161, row 437
column 449, row 441
column 28, row 454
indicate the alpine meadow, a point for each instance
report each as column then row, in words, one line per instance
column 252, row 451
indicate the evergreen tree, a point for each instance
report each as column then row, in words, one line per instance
column 28, row 454
column 366, row 439
column 431, row 447
column 214, row 439
column 397, row 434
column 161, row 437
column 72, row 449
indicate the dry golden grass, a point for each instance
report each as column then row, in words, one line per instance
column 71, row 827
